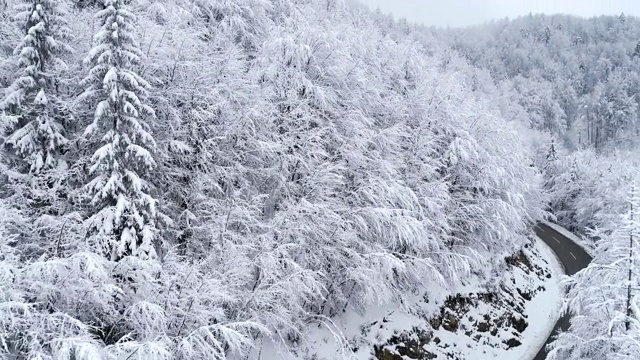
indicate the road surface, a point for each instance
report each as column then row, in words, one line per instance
column 573, row 258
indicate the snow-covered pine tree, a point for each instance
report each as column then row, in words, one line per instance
column 550, row 167
column 32, row 114
column 124, row 211
column 636, row 50
column 552, row 153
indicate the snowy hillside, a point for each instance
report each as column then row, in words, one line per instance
column 208, row 179
column 509, row 317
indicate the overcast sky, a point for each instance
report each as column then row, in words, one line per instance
column 471, row 12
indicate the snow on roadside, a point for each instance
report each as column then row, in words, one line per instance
column 545, row 308
column 473, row 324
column 586, row 245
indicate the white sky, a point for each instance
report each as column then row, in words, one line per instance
column 471, row 12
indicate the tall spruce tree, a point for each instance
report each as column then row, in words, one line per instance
column 32, row 112
column 124, row 211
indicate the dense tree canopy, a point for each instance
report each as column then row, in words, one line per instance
column 202, row 175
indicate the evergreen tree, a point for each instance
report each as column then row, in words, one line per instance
column 124, row 211
column 550, row 167
column 32, row 112
column 552, row 155
column 636, row 50
column 622, row 18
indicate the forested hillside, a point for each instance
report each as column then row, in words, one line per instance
column 577, row 80
column 181, row 180
column 192, row 179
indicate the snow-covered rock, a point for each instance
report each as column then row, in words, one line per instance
column 483, row 319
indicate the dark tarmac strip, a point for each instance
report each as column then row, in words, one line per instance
column 573, row 258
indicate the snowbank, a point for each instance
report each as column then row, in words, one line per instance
column 546, row 308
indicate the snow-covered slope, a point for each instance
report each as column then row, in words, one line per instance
column 507, row 319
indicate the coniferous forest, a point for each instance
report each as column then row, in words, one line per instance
column 183, row 179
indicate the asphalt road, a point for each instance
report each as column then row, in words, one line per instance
column 573, row 258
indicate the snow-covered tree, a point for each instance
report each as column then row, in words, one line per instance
column 242, row 20
column 603, row 297
column 33, row 115
column 124, row 211
column 36, row 122
column 551, row 164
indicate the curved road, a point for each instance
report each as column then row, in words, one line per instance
column 573, row 258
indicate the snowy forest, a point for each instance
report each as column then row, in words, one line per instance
column 576, row 83
column 185, row 179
